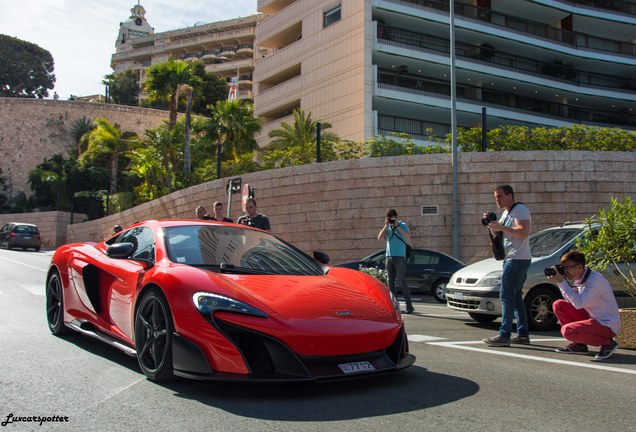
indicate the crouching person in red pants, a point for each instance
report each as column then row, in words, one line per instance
column 589, row 312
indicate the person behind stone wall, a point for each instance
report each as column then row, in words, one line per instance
column 252, row 218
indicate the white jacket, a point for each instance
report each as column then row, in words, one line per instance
column 595, row 295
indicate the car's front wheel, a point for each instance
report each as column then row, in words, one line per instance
column 438, row 291
column 482, row 318
column 153, row 336
column 539, row 307
column 55, row 305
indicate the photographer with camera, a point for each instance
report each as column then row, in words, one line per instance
column 253, row 219
column 588, row 312
column 514, row 224
column 397, row 236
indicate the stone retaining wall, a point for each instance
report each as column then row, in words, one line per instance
column 338, row 207
column 33, row 130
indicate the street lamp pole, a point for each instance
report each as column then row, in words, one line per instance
column 454, row 131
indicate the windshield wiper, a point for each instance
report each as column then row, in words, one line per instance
column 231, row 268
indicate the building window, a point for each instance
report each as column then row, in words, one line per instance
column 332, row 15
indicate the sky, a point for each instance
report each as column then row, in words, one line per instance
column 81, row 34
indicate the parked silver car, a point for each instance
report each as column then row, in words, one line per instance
column 475, row 288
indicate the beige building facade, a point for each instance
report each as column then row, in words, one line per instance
column 378, row 67
column 322, row 69
column 372, row 67
column 225, row 47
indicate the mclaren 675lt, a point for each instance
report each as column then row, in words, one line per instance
column 212, row 300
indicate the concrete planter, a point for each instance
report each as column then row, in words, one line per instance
column 626, row 338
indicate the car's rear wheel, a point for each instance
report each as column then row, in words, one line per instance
column 482, row 318
column 539, row 306
column 153, row 336
column 438, row 291
column 55, row 305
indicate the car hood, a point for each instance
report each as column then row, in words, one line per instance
column 315, row 297
column 479, row 269
column 471, row 274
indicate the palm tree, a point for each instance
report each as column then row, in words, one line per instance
column 107, row 139
column 233, row 127
column 302, row 134
column 80, row 127
column 163, row 81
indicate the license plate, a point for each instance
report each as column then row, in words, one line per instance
column 458, row 296
column 27, row 237
column 355, row 367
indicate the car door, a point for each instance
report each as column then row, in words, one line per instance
column 422, row 269
column 128, row 274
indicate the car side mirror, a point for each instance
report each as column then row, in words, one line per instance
column 125, row 250
column 321, row 257
column 120, row 250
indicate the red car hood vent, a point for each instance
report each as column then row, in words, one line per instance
column 312, row 297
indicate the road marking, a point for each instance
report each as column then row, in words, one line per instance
column 21, row 263
column 423, row 338
column 463, row 345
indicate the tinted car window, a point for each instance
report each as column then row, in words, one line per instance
column 143, row 240
column 26, row 229
column 548, row 242
column 419, row 258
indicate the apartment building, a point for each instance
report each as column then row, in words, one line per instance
column 378, row 66
column 226, row 47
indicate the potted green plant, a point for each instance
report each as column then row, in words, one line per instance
column 613, row 245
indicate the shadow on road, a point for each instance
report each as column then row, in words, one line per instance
column 410, row 390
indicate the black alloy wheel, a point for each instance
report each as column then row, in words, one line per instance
column 153, row 336
column 55, row 305
column 539, row 308
column 438, row 291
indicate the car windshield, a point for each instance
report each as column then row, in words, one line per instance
column 26, row 229
column 547, row 242
column 237, row 250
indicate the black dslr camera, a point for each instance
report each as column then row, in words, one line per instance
column 549, row 271
column 490, row 217
column 248, row 221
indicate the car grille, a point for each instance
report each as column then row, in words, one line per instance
column 463, row 304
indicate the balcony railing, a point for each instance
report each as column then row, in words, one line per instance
column 416, row 129
column 518, row 25
column 417, row 84
column 619, row 6
column 430, row 44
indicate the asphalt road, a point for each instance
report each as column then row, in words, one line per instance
column 457, row 383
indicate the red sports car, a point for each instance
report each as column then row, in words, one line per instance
column 211, row 300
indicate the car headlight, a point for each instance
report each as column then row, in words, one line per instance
column 492, row 279
column 208, row 303
column 396, row 302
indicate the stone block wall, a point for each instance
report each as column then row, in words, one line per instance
column 32, row 130
column 338, row 207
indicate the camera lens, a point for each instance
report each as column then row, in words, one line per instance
column 549, row 271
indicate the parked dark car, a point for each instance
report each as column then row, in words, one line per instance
column 426, row 270
column 20, row 235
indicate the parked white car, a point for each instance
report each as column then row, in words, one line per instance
column 475, row 288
